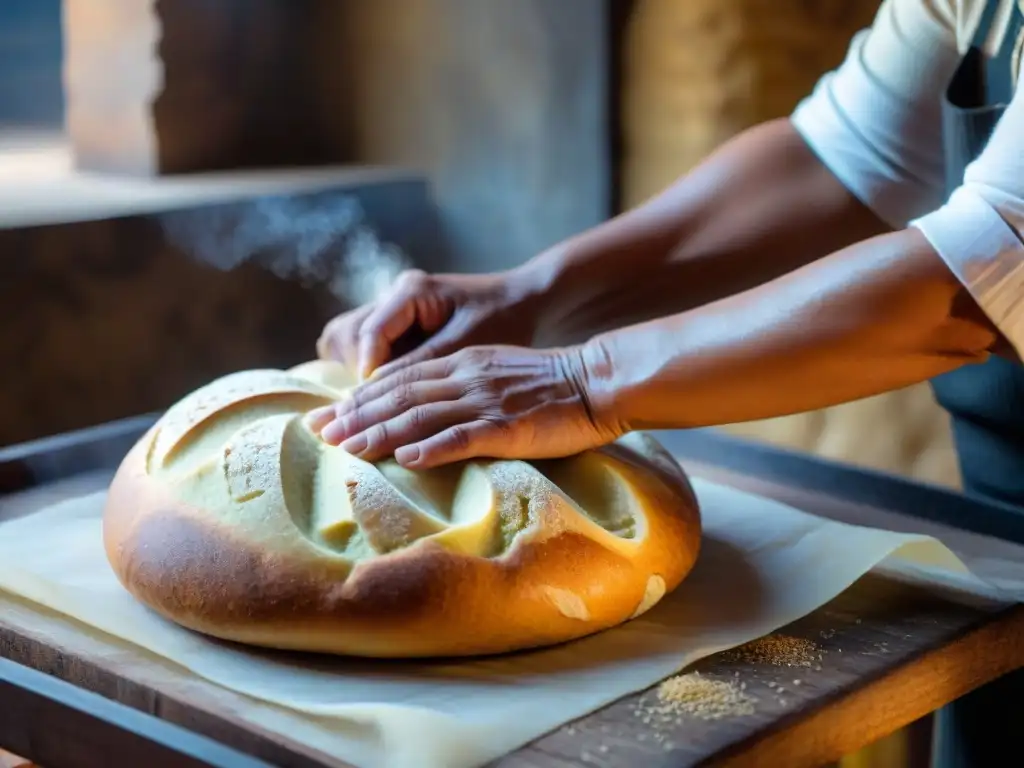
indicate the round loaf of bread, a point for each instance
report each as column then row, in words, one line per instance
column 231, row 518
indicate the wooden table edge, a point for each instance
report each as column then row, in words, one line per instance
column 71, row 715
column 163, row 715
column 816, row 738
column 812, row 739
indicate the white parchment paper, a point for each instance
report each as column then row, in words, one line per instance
column 762, row 566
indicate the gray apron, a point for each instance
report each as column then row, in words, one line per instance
column 985, row 401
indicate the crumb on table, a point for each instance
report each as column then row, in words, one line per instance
column 776, row 650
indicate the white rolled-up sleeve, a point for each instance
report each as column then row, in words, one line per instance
column 978, row 231
column 876, row 123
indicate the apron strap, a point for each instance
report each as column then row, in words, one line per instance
column 978, row 93
column 1000, row 76
column 988, row 20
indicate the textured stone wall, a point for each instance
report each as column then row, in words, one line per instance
column 111, row 321
column 502, row 104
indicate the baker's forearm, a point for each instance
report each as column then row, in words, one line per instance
column 760, row 206
column 874, row 317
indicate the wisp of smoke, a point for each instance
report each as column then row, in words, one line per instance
column 324, row 240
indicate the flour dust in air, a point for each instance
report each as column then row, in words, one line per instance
column 325, row 240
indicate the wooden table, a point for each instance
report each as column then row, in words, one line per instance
column 889, row 652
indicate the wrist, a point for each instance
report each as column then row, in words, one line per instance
column 536, row 280
column 593, row 369
column 532, row 288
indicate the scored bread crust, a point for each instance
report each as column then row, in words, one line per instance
column 230, row 518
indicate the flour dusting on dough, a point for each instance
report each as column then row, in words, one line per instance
column 653, row 593
column 569, row 604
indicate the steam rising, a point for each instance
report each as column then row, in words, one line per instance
column 323, row 241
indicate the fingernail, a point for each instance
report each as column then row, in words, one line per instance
column 319, row 417
column 407, row 454
column 323, row 410
column 334, row 432
column 354, row 445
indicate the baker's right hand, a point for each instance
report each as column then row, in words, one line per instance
column 448, row 312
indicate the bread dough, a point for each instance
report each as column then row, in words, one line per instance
column 230, row 517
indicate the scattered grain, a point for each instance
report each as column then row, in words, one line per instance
column 697, row 696
column 777, row 650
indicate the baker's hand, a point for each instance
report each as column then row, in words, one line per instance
column 445, row 312
column 487, row 402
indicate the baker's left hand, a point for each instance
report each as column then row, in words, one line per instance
column 480, row 402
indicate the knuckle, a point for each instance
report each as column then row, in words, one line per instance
column 352, row 423
column 344, row 320
column 471, row 359
column 452, row 363
column 332, row 334
column 378, row 436
column 371, row 327
column 401, row 397
column 358, row 403
column 345, row 324
column 479, row 390
column 411, row 280
column 490, row 387
column 332, row 328
column 417, row 418
column 459, row 437
column 406, row 377
column 498, row 423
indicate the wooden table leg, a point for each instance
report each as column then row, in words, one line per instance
column 919, row 742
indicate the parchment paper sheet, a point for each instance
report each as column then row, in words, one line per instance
column 763, row 565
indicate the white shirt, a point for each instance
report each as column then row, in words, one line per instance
column 876, row 124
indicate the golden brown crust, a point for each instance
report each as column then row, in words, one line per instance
column 214, row 574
